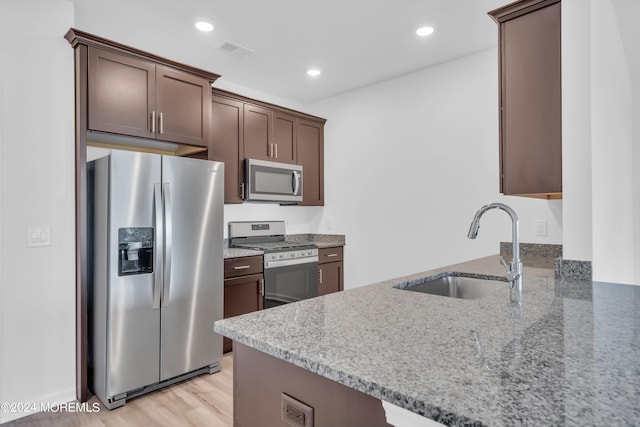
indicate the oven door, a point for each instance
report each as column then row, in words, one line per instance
column 290, row 280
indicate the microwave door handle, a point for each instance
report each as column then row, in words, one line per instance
column 296, row 182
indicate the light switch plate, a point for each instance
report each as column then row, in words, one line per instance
column 38, row 236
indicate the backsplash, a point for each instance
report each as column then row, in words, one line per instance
column 573, row 269
column 534, row 254
column 549, row 256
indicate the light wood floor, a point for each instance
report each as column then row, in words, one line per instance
column 206, row 400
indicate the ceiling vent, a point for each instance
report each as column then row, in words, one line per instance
column 235, row 49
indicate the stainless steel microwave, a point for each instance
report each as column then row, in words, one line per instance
column 272, row 182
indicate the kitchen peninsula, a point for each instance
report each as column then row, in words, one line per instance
column 568, row 356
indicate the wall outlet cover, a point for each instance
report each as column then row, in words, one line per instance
column 541, row 227
column 296, row 413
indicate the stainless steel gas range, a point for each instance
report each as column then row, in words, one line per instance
column 290, row 268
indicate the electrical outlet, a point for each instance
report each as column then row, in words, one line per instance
column 541, row 227
column 296, row 413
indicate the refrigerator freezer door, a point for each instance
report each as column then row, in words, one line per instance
column 195, row 286
column 133, row 332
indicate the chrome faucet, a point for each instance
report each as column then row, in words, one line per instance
column 514, row 268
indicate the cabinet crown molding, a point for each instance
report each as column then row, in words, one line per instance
column 517, row 8
column 246, row 99
column 77, row 37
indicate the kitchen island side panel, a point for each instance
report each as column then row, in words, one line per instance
column 259, row 380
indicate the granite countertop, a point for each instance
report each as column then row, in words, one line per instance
column 320, row 240
column 568, row 356
column 240, row 252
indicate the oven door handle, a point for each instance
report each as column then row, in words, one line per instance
column 290, row 262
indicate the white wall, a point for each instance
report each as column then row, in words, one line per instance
column 576, row 130
column 601, row 138
column 612, row 136
column 409, row 161
column 636, row 178
column 224, row 84
column 37, row 285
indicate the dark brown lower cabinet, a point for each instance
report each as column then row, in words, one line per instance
column 330, row 270
column 243, row 288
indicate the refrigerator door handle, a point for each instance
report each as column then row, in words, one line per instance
column 166, row 197
column 158, row 237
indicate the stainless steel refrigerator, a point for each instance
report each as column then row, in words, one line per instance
column 155, row 267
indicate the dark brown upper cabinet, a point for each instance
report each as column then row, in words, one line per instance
column 269, row 134
column 121, row 94
column 243, row 128
column 530, row 98
column 311, row 157
column 226, row 143
column 124, row 91
column 130, row 96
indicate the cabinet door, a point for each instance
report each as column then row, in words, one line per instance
column 310, row 150
column 330, row 278
column 121, row 94
column 284, row 138
column 242, row 295
column 225, row 144
column 183, row 107
column 257, row 131
column 531, row 105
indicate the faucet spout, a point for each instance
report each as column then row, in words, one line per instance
column 514, row 268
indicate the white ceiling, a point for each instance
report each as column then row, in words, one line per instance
column 354, row 42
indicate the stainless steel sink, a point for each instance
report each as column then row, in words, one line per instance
column 458, row 286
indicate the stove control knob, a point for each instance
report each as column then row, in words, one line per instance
column 281, row 256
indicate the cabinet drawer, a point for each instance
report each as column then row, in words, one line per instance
column 234, row 267
column 329, row 254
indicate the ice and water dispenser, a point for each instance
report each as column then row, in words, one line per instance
column 135, row 247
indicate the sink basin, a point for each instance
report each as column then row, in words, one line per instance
column 457, row 286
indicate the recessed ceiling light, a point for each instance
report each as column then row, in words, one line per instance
column 424, row 31
column 204, row 26
column 313, row 72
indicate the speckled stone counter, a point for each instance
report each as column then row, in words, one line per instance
column 570, row 356
column 320, row 240
column 240, row 252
